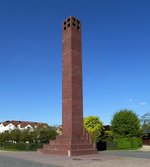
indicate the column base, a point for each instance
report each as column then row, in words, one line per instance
column 69, row 146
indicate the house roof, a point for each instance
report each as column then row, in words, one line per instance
column 147, row 131
column 24, row 123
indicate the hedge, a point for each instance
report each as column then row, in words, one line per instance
column 20, row 146
column 124, row 143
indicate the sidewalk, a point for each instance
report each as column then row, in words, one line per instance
column 145, row 148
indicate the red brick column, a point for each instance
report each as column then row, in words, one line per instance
column 72, row 101
column 74, row 140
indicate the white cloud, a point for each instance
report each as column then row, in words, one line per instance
column 142, row 103
column 130, row 100
column 135, row 103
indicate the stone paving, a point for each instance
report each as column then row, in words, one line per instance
column 103, row 159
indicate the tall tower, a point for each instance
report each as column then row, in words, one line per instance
column 74, row 140
column 72, row 101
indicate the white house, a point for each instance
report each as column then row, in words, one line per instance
column 22, row 125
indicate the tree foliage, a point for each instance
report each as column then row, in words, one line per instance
column 107, row 136
column 94, row 126
column 46, row 134
column 145, row 121
column 38, row 135
column 125, row 123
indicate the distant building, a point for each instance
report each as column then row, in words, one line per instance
column 59, row 130
column 107, row 127
column 21, row 125
column 146, row 137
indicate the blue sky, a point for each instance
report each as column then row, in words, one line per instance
column 116, row 57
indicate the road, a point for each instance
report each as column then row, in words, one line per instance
column 131, row 154
column 14, row 162
column 104, row 159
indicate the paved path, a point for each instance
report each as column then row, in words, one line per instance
column 13, row 162
column 133, row 154
column 104, row 159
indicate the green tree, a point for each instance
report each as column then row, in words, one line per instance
column 46, row 134
column 94, row 126
column 38, row 135
column 4, row 137
column 25, row 136
column 125, row 123
column 145, row 121
column 15, row 135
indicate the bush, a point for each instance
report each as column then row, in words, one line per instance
column 112, row 145
column 20, row 146
column 124, row 143
column 136, row 142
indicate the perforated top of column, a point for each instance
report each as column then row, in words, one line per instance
column 71, row 22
